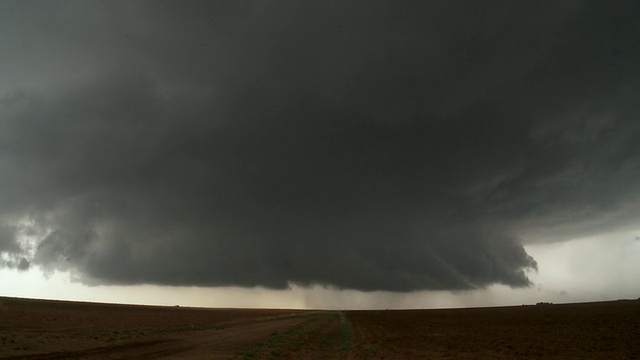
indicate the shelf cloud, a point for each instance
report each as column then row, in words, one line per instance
column 360, row 145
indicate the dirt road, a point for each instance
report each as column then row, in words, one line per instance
column 37, row 329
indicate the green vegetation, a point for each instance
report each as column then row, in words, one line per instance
column 279, row 342
column 345, row 333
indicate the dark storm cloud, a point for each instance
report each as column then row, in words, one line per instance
column 366, row 145
column 7, row 239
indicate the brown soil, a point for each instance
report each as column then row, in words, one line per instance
column 603, row 330
column 39, row 329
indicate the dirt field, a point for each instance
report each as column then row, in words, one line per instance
column 604, row 330
column 38, row 329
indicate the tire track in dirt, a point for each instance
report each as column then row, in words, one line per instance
column 219, row 342
column 325, row 336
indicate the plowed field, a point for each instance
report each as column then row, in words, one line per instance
column 39, row 329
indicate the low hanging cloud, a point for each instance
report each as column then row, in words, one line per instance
column 360, row 145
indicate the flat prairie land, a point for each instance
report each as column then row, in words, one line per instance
column 44, row 329
column 601, row 330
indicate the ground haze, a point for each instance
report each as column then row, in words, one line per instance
column 43, row 329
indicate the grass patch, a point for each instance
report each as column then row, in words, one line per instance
column 278, row 343
column 345, row 333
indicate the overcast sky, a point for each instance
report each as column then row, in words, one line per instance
column 368, row 150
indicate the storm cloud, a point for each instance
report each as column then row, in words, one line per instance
column 367, row 145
